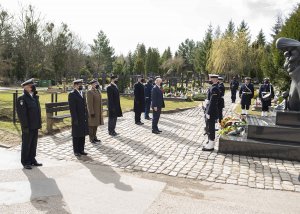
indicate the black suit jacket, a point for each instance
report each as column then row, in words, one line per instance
column 79, row 114
column 114, row 106
column 29, row 111
column 157, row 98
column 139, row 97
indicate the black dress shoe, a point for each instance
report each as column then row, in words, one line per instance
column 83, row 153
column 77, row 154
column 148, row 118
column 155, row 132
column 37, row 164
column 139, row 123
column 207, row 150
column 97, row 140
column 27, row 167
column 93, row 142
column 115, row 133
column 159, row 130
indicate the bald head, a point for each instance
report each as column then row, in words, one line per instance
column 158, row 81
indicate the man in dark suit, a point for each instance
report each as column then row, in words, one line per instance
column 234, row 86
column 79, row 114
column 148, row 89
column 246, row 94
column 212, row 112
column 114, row 106
column 139, row 100
column 157, row 104
column 29, row 113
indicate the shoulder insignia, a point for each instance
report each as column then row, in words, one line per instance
column 21, row 102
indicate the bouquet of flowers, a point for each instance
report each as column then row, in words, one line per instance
column 232, row 126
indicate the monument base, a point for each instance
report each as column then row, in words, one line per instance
column 267, row 137
column 259, row 148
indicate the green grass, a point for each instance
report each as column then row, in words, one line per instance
column 6, row 105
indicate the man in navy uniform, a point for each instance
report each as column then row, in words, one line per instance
column 221, row 101
column 79, row 114
column 139, row 101
column 212, row 112
column 246, row 94
column 29, row 113
column 157, row 104
column 266, row 94
column 234, row 86
column 114, row 106
column 148, row 89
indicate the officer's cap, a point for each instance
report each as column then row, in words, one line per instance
column 220, row 78
column 27, row 82
column 247, row 78
column 113, row 77
column 93, row 81
column 287, row 43
column 78, row 81
column 266, row 79
column 213, row 76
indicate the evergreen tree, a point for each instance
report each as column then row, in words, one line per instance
column 230, row 30
column 102, row 53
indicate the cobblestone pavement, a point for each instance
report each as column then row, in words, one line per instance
column 176, row 152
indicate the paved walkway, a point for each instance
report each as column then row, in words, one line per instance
column 176, row 152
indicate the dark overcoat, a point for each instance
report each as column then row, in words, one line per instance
column 79, row 114
column 29, row 111
column 113, row 104
column 139, row 97
column 264, row 89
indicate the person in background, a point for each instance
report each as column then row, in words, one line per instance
column 157, row 104
column 221, row 101
column 234, row 86
column 139, row 100
column 79, row 115
column 148, row 89
column 95, row 110
column 266, row 94
column 212, row 112
column 113, row 104
column 29, row 113
column 246, row 94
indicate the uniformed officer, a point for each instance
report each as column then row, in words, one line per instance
column 221, row 101
column 212, row 112
column 29, row 113
column 266, row 94
column 79, row 115
column 94, row 105
column 246, row 94
column 234, row 86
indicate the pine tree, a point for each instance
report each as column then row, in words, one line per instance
column 230, row 31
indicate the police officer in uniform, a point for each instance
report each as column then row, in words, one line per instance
column 246, row 94
column 234, row 86
column 212, row 112
column 29, row 113
column 79, row 114
column 221, row 101
column 266, row 94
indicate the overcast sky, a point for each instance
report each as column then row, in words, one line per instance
column 156, row 23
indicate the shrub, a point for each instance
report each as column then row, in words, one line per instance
column 199, row 97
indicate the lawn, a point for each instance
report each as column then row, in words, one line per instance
column 6, row 104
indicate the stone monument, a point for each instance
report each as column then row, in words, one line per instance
column 274, row 137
